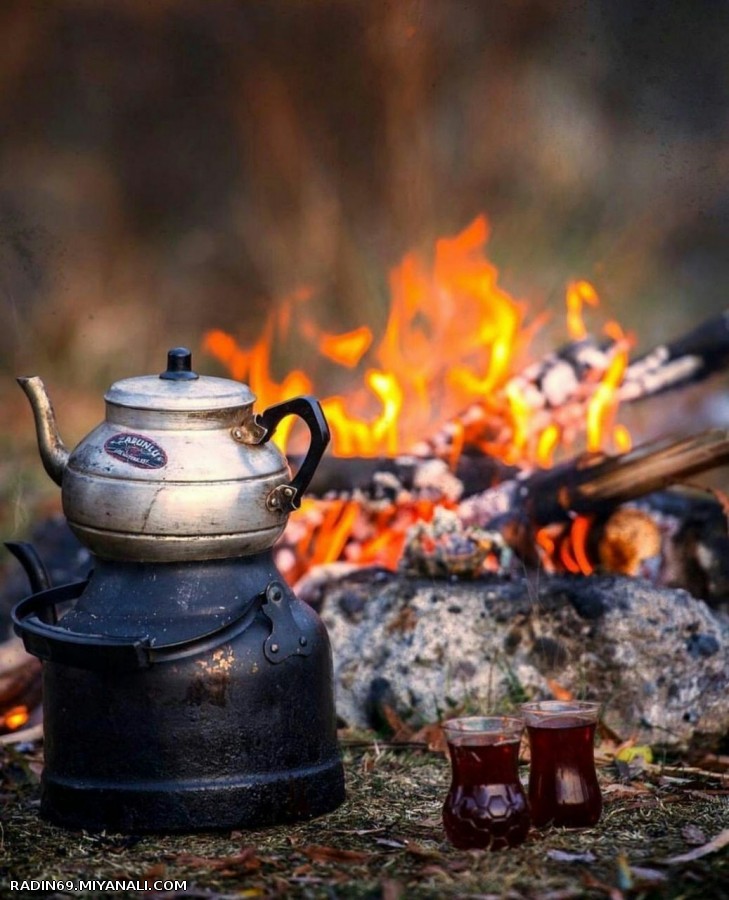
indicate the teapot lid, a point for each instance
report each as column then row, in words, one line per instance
column 179, row 388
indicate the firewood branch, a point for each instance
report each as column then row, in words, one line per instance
column 595, row 483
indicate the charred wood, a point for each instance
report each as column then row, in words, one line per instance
column 595, row 483
column 490, row 489
column 385, row 478
column 687, row 360
column 558, row 387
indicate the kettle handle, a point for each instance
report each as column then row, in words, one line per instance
column 54, row 643
column 309, row 409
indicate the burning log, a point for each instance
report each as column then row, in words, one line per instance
column 628, row 540
column 590, row 484
column 511, row 503
column 570, row 518
column 385, row 478
column 573, row 518
column 557, row 390
column 595, row 483
column 377, row 500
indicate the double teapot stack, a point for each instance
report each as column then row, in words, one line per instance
column 185, row 686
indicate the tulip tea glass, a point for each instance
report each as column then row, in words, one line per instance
column 486, row 807
column 563, row 787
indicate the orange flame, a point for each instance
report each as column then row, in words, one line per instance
column 520, row 413
column 453, row 339
column 254, row 366
column 578, row 534
column 346, row 349
column 451, row 336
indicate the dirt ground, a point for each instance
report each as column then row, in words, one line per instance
column 664, row 833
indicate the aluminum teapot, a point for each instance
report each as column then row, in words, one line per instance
column 181, row 469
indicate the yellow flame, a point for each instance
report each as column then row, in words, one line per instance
column 520, row 412
column 547, row 443
column 451, row 342
column 603, row 404
column 579, row 293
column 622, row 439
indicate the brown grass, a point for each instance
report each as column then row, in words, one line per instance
column 387, row 841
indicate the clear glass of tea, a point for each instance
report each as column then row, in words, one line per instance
column 486, row 806
column 563, row 786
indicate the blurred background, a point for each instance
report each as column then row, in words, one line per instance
column 182, row 165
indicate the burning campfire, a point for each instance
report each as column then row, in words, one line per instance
column 458, row 454
column 455, row 453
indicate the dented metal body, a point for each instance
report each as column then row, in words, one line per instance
column 180, row 469
column 181, row 697
column 209, row 499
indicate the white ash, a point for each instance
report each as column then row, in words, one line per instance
column 491, row 504
column 446, row 546
column 654, row 373
column 559, row 384
column 436, row 479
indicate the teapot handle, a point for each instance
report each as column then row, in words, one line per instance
column 288, row 496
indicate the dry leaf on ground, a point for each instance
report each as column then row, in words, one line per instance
column 717, row 843
column 320, row 853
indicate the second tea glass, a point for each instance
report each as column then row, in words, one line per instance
column 563, row 786
column 486, row 806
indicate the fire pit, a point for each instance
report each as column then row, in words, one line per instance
column 528, row 559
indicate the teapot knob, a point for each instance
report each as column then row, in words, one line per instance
column 179, row 365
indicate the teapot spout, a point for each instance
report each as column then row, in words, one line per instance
column 52, row 449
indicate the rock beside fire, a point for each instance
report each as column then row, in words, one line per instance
column 657, row 658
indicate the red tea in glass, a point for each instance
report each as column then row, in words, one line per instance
column 563, row 787
column 486, row 806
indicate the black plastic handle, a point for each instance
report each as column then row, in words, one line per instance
column 308, row 409
column 56, row 644
column 105, row 652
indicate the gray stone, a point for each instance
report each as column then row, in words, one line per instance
column 657, row 658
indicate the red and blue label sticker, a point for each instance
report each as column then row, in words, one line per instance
column 137, row 450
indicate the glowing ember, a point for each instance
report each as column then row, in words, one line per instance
column 14, row 718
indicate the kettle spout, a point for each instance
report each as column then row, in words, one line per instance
column 52, row 449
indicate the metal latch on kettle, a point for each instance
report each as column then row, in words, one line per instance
column 286, row 638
